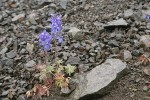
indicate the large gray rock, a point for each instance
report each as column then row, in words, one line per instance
column 99, row 80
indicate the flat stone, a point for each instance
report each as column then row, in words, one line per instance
column 18, row 17
column 7, row 61
column 99, row 80
column 4, row 50
column 30, row 64
column 91, row 60
column 4, row 93
column 113, row 43
column 146, row 98
column 83, row 67
column 119, row 22
column 11, row 54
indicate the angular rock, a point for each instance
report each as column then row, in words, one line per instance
column 91, row 60
column 135, row 53
column 145, row 40
column 31, row 63
column 2, row 39
column 11, row 54
column 119, row 22
column 76, row 33
column 21, row 97
column 113, row 43
column 4, row 93
column 63, row 3
column 31, row 18
column 83, row 67
column 128, row 13
column 7, row 61
column 99, row 80
column 115, row 50
column 18, row 17
column 4, row 50
column 30, row 47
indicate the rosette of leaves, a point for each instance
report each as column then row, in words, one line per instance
column 61, row 81
column 69, row 69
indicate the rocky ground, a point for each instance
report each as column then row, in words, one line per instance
column 93, row 30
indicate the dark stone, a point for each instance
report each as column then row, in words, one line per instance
column 73, row 60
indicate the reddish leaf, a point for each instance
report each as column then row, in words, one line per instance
column 144, row 59
column 42, row 90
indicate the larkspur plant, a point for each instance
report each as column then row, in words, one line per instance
column 56, row 33
column 55, row 73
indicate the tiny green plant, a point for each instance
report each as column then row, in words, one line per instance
column 51, row 74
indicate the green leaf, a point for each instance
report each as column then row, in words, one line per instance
column 59, row 70
column 69, row 69
column 50, row 69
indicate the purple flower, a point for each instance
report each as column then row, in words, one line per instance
column 45, row 40
column 56, row 33
column 60, row 39
column 56, row 24
column 147, row 16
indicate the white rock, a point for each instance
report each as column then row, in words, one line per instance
column 127, row 55
column 18, row 17
column 74, row 30
column 145, row 40
column 119, row 22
